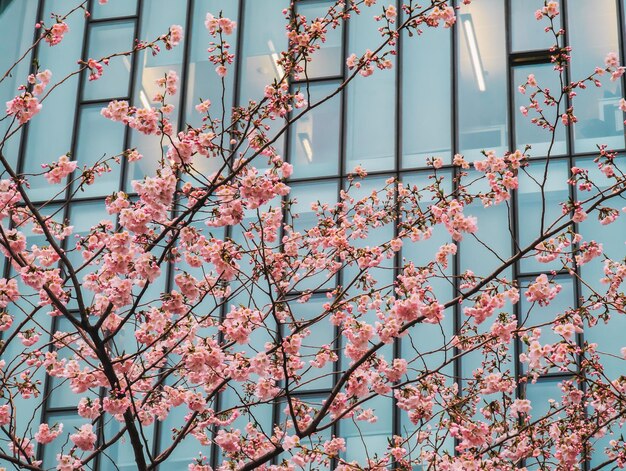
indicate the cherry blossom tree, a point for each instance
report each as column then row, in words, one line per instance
column 135, row 357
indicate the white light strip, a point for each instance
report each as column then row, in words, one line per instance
column 473, row 47
column 274, row 55
column 144, row 100
column 308, row 150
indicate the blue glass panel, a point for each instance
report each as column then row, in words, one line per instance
column 50, row 133
column 203, row 83
column 486, row 249
column 609, row 336
column 61, row 394
column 114, row 9
column 531, row 211
column 526, row 32
column 314, row 138
column 532, row 314
column 364, row 440
column 599, row 119
column 98, row 139
column 62, row 445
column 156, row 18
column 120, row 456
column 328, row 60
column 322, row 333
column 370, row 120
column 527, row 133
column 17, row 20
column 311, row 442
column 188, row 448
column 307, row 194
column 106, row 39
column 426, row 97
column 482, row 77
column 540, row 394
column 263, row 40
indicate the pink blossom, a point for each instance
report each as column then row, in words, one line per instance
column 542, row 290
column 68, row 462
column 45, row 434
column 85, row 438
column 60, row 169
column 23, row 107
column 54, row 35
column 8, row 292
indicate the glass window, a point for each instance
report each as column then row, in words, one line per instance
column 541, row 394
column 526, row 32
column 322, row 333
column 156, row 18
column 532, row 314
column 71, row 423
column 599, row 119
column 426, row 97
column 364, row 440
column 328, row 60
column 50, row 132
column 17, row 21
column 99, row 139
column 263, row 40
column 314, row 138
column 482, row 77
column 527, row 133
column 490, row 245
column 121, row 456
column 306, row 194
column 106, row 39
column 532, row 214
column 61, row 395
column 113, row 9
column 370, row 120
column 203, row 83
column 609, row 336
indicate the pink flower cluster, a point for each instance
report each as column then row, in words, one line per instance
column 60, row 169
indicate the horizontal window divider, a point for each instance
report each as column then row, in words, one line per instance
column 113, row 19
column 328, row 78
column 530, row 58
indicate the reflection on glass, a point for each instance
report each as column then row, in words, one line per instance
column 531, row 211
column 533, row 314
column 106, row 39
column 71, row 422
column 482, row 91
column 263, row 40
column 99, row 139
column 599, row 119
column 486, row 249
column 322, row 333
column 370, row 120
column 50, row 133
column 328, row 60
column 426, row 98
column 526, row 32
column 609, row 336
column 156, row 18
column 527, row 133
column 16, row 19
column 314, row 138
column 364, row 440
column 307, row 194
column 113, row 9
column 203, row 83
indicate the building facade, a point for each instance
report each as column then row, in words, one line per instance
column 450, row 91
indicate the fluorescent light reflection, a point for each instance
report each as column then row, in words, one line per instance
column 472, row 44
column 306, row 145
